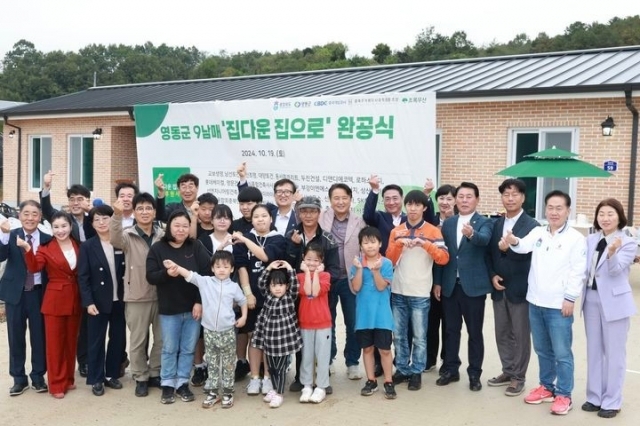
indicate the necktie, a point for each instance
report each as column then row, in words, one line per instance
column 602, row 244
column 29, row 282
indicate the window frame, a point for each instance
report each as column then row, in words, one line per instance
column 70, row 158
column 43, row 168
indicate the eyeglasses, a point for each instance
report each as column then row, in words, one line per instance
column 144, row 209
column 73, row 200
column 284, row 192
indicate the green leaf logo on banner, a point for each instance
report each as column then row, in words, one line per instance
column 149, row 118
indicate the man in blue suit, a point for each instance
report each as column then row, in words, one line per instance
column 22, row 293
column 463, row 284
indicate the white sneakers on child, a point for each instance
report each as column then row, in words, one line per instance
column 269, row 396
column 266, row 385
column 318, row 396
column 276, row 401
column 353, row 372
column 307, row 391
column 253, row 388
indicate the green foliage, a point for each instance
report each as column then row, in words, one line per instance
column 28, row 74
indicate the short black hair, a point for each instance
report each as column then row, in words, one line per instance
column 222, row 256
column 284, row 182
column 77, row 189
column 513, row 183
column 64, row 215
column 188, row 177
column 369, row 232
column 168, row 237
column 392, row 186
column 558, row 193
column 143, row 197
column 222, row 210
column 122, row 185
column 102, row 210
column 279, row 276
column 314, row 247
column 468, row 185
column 208, row 198
column 415, row 196
column 342, row 186
column 446, row 189
column 249, row 194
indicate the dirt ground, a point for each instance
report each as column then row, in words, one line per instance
column 450, row 405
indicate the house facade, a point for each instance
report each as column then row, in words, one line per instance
column 490, row 112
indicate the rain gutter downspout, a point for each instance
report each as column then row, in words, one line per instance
column 6, row 121
column 633, row 167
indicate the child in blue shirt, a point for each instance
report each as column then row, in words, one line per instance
column 371, row 276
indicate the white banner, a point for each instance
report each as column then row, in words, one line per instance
column 315, row 142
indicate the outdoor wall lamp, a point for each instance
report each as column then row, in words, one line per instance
column 97, row 133
column 12, row 134
column 607, row 126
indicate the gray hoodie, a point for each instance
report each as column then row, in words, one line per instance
column 217, row 301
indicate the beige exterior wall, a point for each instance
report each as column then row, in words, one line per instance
column 475, row 137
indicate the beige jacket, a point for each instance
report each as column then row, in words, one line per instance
column 136, row 287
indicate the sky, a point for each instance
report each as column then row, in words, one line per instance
column 275, row 25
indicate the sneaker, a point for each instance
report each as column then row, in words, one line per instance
column 227, row 400
column 253, row 388
column 399, row 378
column 415, row 382
column 142, row 388
column 185, row 393
column 295, row 386
column 318, row 395
column 353, row 372
column 369, row 388
column 538, row 395
column 276, row 401
column 515, row 388
column 561, row 405
column 501, row 380
column 389, row 391
column 168, row 396
column 40, row 387
column 211, row 400
column 242, row 369
column 306, row 394
column 269, row 396
column 589, row 407
column 329, row 390
column 200, row 375
column 266, row 385
column 429, row 368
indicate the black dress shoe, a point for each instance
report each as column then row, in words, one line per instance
column 591, row 408
column 83, row 369
column 446, row 378
column 155, row 382
column 18, row 389
column 113, row 383
column 415, row 382
column 40, row 387
column 608, row 414
column 97, row 389
column 142, row 389
column 399, row 378
column 474, row 384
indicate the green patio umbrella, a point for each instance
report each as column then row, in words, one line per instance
column 554, row 163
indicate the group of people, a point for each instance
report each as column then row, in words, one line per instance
column 227, row 298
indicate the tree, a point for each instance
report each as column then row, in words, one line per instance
column 381, row 52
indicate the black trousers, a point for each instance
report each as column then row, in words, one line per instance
column 104, row 361
column 455, row 308
column 278, row 370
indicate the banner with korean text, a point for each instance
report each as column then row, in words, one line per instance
column 315, row 141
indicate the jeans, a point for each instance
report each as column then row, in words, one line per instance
column 179, row 337
column 552, row 337
column 340, row 290
column 416, row 308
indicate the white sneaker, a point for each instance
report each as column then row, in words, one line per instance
column 318, row 396
column 276, row 401
column 253, row 388
column 266, row 385
column 353, row 372
column 269, row 396
column 306, row 394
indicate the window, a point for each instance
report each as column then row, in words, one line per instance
column 524, row 142
column 81, row 161
column 39, row 160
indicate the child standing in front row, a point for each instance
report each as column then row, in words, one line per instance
column 315, row 324
column 277, row 332
column 218, row 293
column 371, row 276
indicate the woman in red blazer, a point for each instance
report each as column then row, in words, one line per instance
column 61, row 302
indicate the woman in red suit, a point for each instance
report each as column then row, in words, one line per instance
column 61, row 302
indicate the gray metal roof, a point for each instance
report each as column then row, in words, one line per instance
column 610, row 69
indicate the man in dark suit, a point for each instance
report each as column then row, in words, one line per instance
column 79, row 198
column 509, row 272
column 101, row 269
column 463, row 284
column 22, row 293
